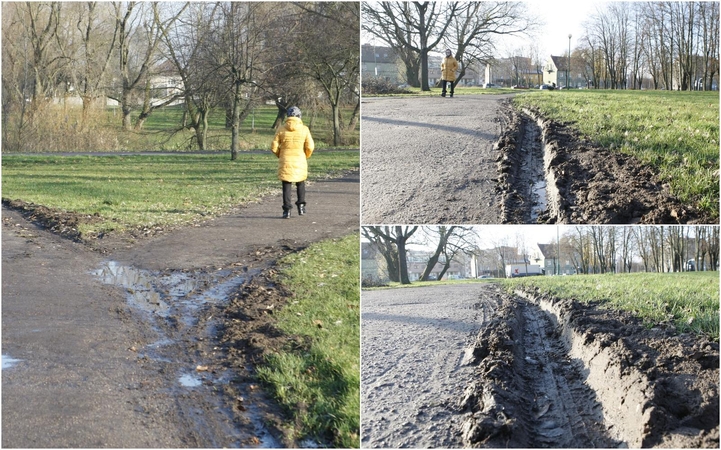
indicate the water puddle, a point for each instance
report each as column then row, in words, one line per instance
column 8, row 362
column 172, row 304
column 189, row 381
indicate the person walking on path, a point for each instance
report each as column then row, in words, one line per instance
column 293, row 145
column 448, row 72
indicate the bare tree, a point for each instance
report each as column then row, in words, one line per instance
column 398, row 236
column 416, row 28
column 450, row 241
column 475, row 26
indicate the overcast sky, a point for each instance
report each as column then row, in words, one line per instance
column 558, row 17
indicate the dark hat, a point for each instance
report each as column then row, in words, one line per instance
column 293, row 111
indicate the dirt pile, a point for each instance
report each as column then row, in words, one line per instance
column 555, row 373
column 588, row 183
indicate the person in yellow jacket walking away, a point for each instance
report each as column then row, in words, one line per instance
column 448, row 72
column 293, row 145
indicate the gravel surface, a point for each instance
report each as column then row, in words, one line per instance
column 430, row 160
column 412, row 362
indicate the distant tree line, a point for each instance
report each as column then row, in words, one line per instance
column 672, row 248
column 675, row 43
column 226, row 55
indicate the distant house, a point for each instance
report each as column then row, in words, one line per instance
column 554, row 73
column 545, row 255
column 381, row 62
column 373, row 266
column 460, row 266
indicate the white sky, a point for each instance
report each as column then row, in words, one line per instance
column 558, row 17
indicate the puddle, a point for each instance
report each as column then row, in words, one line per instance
column 540, row 202
column 172, row 303
column 189, row 381
column 9, row 362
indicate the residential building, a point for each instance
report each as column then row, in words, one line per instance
column 545, row 255
column 554, row 73
column 377, row 61
column 373, row 266
column 460, row 266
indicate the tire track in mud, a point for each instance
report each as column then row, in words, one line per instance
column 549, row 173
column 554, row 373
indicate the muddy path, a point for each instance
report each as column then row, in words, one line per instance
column 474, row 159
column 541, row 373
column 130, row 341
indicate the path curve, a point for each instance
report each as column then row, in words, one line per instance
column 76, row 366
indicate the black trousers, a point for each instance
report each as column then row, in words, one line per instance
column 443, row 84
column 287, row 194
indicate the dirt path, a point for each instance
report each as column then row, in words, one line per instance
column 118, row 349
column 430, row 160
column 540, row 372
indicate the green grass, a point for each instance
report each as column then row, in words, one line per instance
column 161, row 131
column 677, row 133
column 131, row 192
column 319, row 386
column 255, row 132
column 689, row 300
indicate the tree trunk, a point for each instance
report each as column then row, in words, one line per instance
column 235, row 122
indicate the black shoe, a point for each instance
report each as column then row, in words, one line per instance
column 286, row 214
column 451, row 95
column 301, row 209
column 443, row 94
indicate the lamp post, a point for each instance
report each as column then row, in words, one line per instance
column 568, row 65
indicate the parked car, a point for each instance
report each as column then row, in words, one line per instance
column 550, row 87
column 489, row 85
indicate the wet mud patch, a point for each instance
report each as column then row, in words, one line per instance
column 60, row 222
column 557, row 373
column 217, row 398
column 585, row 183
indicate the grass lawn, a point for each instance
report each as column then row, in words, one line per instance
column 131, row 192
column 255, row 132
column 675, row 132
column 689, row 300
column 319, row 386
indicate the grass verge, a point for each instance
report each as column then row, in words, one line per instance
column 136, row 192
column 677, row 133
column 689, row 300
column 320, row 385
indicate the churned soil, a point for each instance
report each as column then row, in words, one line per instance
column 538, row 372
column 586, row 183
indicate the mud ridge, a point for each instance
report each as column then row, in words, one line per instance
column 556, row 373
column 585, row 183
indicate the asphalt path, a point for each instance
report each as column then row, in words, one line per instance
column 72, row 371
column 430, row 160
column 413, row 346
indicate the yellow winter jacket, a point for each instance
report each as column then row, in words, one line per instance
column 448, row 68
column 293, row 144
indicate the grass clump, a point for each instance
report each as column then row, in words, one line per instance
column 319, row 386
column 140, row 191
column 689, row 300
column 677, row 133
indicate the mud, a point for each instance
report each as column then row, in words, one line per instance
column 554, row 373
column 135, row 339
column 474, row 366
column 585, row 183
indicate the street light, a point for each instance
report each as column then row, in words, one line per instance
column 568, row 66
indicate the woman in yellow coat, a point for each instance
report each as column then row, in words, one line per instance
column 448, row 72
column 293, row 145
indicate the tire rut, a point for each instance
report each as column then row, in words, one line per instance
column 528, row 391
